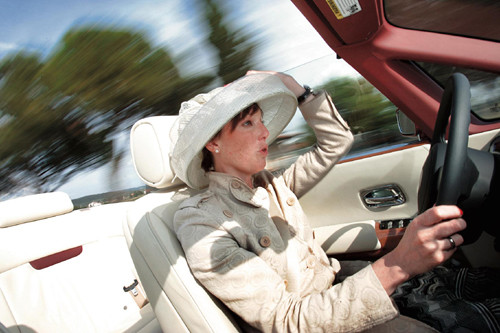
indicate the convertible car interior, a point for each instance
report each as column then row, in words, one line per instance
column 87, row 276
column 119, row 267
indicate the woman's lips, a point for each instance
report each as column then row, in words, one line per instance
column 264, row 151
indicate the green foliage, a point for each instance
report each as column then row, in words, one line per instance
column 370, row 115
column 117, row 75
column 60, row 115
column 41, row 139
column 235, row 51
column 361, row 105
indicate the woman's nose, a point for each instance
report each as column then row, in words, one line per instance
column 264, row 131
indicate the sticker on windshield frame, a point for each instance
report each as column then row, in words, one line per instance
column 344, row 8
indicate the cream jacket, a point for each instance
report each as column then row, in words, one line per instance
column 273, row 274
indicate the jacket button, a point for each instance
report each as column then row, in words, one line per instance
column 311, row 262
column 290, row 201
column 235, row 184
column 265, row 241
column 228, row 213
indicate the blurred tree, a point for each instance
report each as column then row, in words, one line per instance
column 369, row 113
column 363, row 106
column 234, row 48
column 60, row 115
column 117, row 77
column 41, row 140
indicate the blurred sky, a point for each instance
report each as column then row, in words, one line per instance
column 291, row 44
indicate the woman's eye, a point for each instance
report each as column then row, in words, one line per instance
column 247, row 123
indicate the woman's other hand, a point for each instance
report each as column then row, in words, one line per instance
column 425, row 244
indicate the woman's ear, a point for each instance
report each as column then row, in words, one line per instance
column 212, row 146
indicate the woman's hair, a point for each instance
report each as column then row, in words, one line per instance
column 207, row 163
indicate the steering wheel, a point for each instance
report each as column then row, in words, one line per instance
column 445, row 172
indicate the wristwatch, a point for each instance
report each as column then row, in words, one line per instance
column 306, row 94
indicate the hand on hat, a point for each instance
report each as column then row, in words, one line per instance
column 287, row 80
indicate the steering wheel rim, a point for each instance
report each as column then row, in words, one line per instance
column 442, row 185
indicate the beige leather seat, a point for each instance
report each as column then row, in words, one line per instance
column 64, row 271
column 180, row 303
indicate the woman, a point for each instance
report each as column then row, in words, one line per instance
column 246, row 237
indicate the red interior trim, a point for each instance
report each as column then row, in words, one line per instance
column 381, row 53
column 56, row 258
column 388, row 238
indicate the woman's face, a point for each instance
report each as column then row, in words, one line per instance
column 241, row 152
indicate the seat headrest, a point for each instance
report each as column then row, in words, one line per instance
column 150, row 146
column 34, row 207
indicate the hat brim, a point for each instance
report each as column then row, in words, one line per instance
column 278, row 105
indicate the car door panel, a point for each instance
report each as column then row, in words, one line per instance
column 342, row 222
column 336, row 199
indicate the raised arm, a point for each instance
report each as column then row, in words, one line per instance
column 333, row 135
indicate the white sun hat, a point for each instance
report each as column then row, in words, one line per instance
column 203, row 116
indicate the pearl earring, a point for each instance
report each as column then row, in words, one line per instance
column 216, row 151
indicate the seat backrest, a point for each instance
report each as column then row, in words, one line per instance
column 181, row 304
column 64, row 271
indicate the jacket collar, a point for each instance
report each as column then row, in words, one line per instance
column 221, row 183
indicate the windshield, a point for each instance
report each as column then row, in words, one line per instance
column 472, row 18
column 485, row 87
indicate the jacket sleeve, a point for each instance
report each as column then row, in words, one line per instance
column 334, row 139
column 248, row 286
